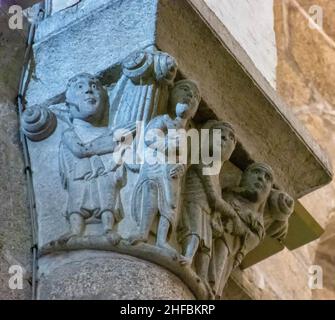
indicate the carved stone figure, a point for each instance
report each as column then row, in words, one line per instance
column 202, row 200
column 142, row 91
column 89, row 174
column 158, row 186
column 280, row 208
column 245, row 229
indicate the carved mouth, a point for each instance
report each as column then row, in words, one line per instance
column 91, row 100
column 258, row 185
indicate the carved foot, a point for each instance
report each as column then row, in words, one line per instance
column 185, row 261
column 136, row 239
column 166, row 246
column 113, row 237
column 64, row 239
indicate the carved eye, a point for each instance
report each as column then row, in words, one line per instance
column 231, row 137
column 224, row 138
column 80, row 86
column 267, row 177
column 94, row 86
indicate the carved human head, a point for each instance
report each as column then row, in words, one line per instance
column 227, row 142
column 258, row 180
column 185, row 98
column 86, row 98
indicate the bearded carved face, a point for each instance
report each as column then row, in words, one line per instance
column 85, row 97
column 185, row 98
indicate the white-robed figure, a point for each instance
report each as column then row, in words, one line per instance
column 87, row 168
column 157, row 191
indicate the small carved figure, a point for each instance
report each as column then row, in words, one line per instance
column 280, row 208
column 245, row 229
column 89, row 174
column 158, row 187
column 201, row 201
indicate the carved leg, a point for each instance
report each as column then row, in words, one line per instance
column 202, row 265
column 220, row 259
column 77, row 224
column 149, row 209
column 77, row 228
column 162, row 235
column 190, row 247
column 108, row 221
column 145, row 227
column 212, row 267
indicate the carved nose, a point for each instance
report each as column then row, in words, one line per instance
column 260, row 178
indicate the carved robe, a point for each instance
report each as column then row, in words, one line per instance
column 196, row 218
column 142, row 91
column 239, row 244
column 93, row 183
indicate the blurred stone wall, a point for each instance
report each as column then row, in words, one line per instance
column 306, row 79
column 15, row 229
column 252, row 24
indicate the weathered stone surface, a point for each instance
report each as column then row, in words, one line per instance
column 253, row 29
column 63, row 4
column 305, row 78
column 15, row 241
column 112, row 32
column 106, row 276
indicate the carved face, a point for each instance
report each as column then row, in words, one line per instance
column 185, row 98
column 227, row 142
column 85, row 97
column 258, row 179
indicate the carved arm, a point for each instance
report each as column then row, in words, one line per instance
column 100, row 146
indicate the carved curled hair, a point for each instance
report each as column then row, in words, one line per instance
column 260, row 165
column 75, row 79
column 217, row 124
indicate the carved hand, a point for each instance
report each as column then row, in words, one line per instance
column 121, row 134
column 235, row 226
column 281, row 204
column 226, row 210
column 285, row 203
column 177, row 171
